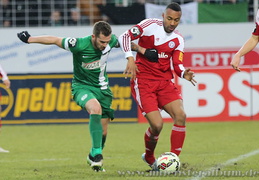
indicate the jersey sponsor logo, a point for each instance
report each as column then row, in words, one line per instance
column 92, row 65
column 135, row 31
column 162, row 55
column 72, row 42
column 171, row 44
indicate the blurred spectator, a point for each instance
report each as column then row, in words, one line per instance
column 33, row 14
column 56, row 18
column 20, row 9
column 76, row 18
column 6, row 14
column 90, row 9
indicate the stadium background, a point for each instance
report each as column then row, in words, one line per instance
column 41, row 75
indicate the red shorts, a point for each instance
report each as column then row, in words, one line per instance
column 152, row 95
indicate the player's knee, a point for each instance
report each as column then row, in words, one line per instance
column 95, row 110
column 180, row 119
column 157, row 129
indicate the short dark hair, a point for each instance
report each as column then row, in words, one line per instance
column 102, row 27
column 174, row 6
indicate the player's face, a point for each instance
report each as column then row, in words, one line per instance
column 171, row 19
column 100, row 42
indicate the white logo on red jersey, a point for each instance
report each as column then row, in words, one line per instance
column 171, row 44
column 162, row 55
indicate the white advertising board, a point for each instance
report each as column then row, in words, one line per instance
column 19, row 58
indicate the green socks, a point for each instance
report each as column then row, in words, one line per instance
column 96, row 132
column 103, row 141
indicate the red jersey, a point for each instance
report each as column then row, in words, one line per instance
column 256, row 30
column 170, row 46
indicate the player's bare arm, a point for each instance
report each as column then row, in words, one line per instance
column 189, row 75
column 27, row 38
column 46, row 40
column 247, row 47
column 150, row 54
column 131, row 68
column 137, row 48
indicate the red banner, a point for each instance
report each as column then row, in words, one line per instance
column 220, row 95
column 217, row 57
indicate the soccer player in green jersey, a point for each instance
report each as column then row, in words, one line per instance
column 90, row 88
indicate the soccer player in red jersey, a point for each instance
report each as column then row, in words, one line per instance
column 7, row 83
column 248, row 46
column 159, row 52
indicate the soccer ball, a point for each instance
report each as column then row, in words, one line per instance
column 168, row 162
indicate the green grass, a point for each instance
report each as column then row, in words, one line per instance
column 59, row 151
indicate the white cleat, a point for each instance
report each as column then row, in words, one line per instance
column 153, row 166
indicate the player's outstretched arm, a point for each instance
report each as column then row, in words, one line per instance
column 247, row 47
column 25, row 37
column 189, row 75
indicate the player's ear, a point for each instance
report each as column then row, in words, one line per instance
column 93, row 36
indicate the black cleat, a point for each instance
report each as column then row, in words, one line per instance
column 96, row 162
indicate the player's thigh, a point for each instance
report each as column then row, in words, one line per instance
column 176, row 110
column 175, row 107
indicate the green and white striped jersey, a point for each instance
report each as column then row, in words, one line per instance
column 89, row 63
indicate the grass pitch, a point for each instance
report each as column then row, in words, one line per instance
column 59, row 152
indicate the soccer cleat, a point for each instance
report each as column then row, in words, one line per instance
column 153, row 166
column 89, row 159
column 3, row 150
column 96, row 162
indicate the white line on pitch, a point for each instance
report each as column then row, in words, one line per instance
column 31, row 160
column 228, row 162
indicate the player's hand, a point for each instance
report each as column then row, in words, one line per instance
column 189, row 75
column 131, row 69
column 151, row 55
column 7, row 83
column 235, row 63
column 24, row 36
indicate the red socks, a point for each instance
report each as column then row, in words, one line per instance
column 177, row 139
column 150, row 144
